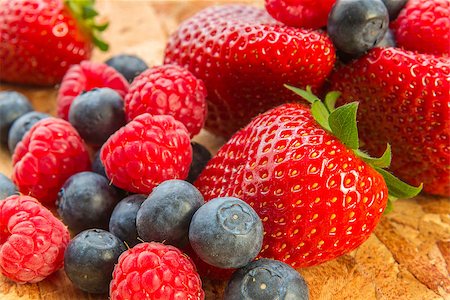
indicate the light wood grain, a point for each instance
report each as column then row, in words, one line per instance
column 407, row 257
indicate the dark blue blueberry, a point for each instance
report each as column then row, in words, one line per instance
column 85, row 201
column 200, row 157
column 12, row 106
column 99, row 168
column 167, row 212
column 129, row 66
column 266, row 279
column 388, row 40
column 97, row 165
column 21, row 126
column 7, row 187
column 97, row 114
column 89, row 259
column 394, row 7
column 123, row 219
column 355, row 26
column 226, row 233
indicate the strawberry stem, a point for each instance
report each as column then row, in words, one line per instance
column 85, row 13
column 341, row 122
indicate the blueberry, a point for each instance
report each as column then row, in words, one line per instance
column 99, row 168
column 388, row 40
column 200, row 157
column 97, row 114
column 394, row 7
column 89, row 259
column 7, row 187
column 129, row 66
column 97, row 165
column 266, row 279
column 12, row 106
column 167, row 212
column 355, row 26
column 21, row 126
column 123, row 219
column 85, row 201
column 226, row 233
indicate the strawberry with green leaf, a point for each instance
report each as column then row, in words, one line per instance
column 404, row 101
column 301, row 169
column 40, row 39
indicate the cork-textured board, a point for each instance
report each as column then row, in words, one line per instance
column 407, row 257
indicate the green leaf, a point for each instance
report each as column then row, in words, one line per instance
column 101, row 27
column 89, row 12
column 343, row 124
column 85, row 13
column 307, row 95
column 330, row 100
column 74, row 7
column 389, row 205
column 102, row 45
column 398, row 188
column 382, row 162
column 320, row 114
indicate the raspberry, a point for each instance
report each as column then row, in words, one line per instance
column 49, row 153
column 147, row 151
column 84, row 77
column 168, row 90
column 32, row 240
column 155, row 271
column 423, row 26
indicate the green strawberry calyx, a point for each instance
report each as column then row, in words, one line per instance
column 341, row 122
column 85, row 14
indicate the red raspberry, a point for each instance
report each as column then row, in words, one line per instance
column 147, row 151
column 32, row 240
column 49, row 153
column 424, row 26
column 300, row 13
column 155, row 271
column 168, row 90
column 84, row 77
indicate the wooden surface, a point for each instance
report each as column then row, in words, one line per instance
column 408, row 256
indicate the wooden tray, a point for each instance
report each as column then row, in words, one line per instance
column 407, row 257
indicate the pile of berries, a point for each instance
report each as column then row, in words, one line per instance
column 291, row 187
column 137, row 192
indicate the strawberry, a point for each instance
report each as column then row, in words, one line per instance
column 300, row 169
column 40, row 39
column 244, row 57
column 300, row 13
column 424, row 26
column 404, row 101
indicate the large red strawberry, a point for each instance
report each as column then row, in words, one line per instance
column 40, row 39
column 300, row 13
column 244, row 57
column 424, row 26
column 404, row 100
column 318, row 197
